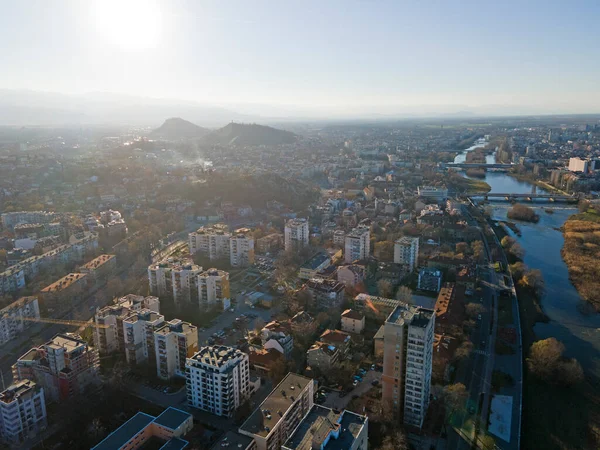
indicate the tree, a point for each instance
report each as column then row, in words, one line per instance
column 462, row 247
column 384, row 250
column 534, row 280
column 518, row 269
column 455, row 395
column 464, row 350
column 474, row 309
column 404, row 294
column 3, row 256
column 546, row 362
column 517, row 251
column 478, row 250
column 395, row 441
column 507, row 242
column 385, row 288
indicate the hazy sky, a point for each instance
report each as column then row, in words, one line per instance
column 334, row 55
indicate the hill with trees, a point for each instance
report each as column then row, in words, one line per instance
column 242, row 135
column 176, row 128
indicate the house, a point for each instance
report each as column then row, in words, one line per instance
column 337, row 338
column 322, row 356
column 351, row 275
column 353, row 321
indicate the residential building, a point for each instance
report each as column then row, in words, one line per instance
column 64, row 366
column 324, row 429
column 109, row 334
column 407, row 362
column 378, row 342
column 357, row 245
column 272, row 423
column 241, row 248
column 296, row 234
column 212, row 242
column 300, row 321
column 100, row 268
column 62, row 293
column 278, row 336
column 17, row 316
column 10, row 219
column 234, row 441
column 340, row 339
column 434, row 193
column 269, row 243
column 339, row 237
column 138, row 335
column 174, row 342
column 351, row 275
column 22, row 412
column 165, row 431
column 322, row 356
column 317, row 263
column 217, row 380
column 406, row 251
column 430, row 280
column 578, row 165
column 353, row 321
column 325, row 293
column 213, row 289
column 174, row 277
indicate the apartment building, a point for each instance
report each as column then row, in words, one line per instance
column 22, row 412
column 176, row 277
column 353, row 321
column 317, row 263
column 578, row 165
column 296, row 234
column 269, row 243
column 10, row 219
column 322, row 428
column 217, row 380
column 339, row 237
column 145, row 431
column 406, row 251
column 109, row 335
column 434, row 193
column 66, row 290
column 430, row 280
column 325, row 293
column 323, row 356
column 274, row 421
column 212, row 242
column 407, row 361
column 14, row 318
column 340, row 339
column 278, row 336
column 357, row 245
column 174, row 342
column 64, row 366
column 351, row 274
column 241, row 248
column 213, row 289
column 100, row 267
column 138, row 335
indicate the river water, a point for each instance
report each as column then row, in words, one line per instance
column 572, row 320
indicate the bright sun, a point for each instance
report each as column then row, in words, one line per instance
column 129, row 24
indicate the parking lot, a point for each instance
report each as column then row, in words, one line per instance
column 334, row 401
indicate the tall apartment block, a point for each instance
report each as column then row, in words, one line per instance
column 357, row 245
column 174, row 342
column 241, row 248
column 22, row 412
column 176, row 278
column 109, row 336
column 296, row 234
column 217, row 380
column 406, row 251
column 213, row 289
column 212, row 242
column 407, row 359
column 64, row 366
column 13, row 318
column 10, row 219
column 138, row 335
column 274, row 421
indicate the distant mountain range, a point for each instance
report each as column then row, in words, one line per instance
column 231, row 134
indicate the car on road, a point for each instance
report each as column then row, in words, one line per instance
column 375, row 382
column 355, row 383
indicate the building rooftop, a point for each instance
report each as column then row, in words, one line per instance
column 410, row 315
column 267, row 415
column 125, row 432
column 68, row 341
column 174, row 444
column 17, row 304
column 14, row 391
column 316, row 261
column 323, row 429
column 176, row 326
column 97, row 262
column 353, row 314
column 406, row 240
column 172, row 418
column 232, row 440
column 336, row 336
column 217, row 355
column 64, row 282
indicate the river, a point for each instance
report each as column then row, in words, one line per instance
column 572, row 320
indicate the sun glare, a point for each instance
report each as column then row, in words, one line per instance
column 129, row 24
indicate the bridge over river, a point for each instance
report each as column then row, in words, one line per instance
column 527, row 197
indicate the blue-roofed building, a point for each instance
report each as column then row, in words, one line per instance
column 317, row 263
column 168, row 427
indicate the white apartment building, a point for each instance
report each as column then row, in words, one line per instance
column 22, row 412
column 174, row 342
column 218, row 380
column 578, row 165
column 406, row 251
column 10, row 219
column 213, row 289
column 138, row 335
column 339, row 237
column 357, row 245
column 109, row 336
column 435, row 193
column 296, row 234
column 273, row 422
column 241, row 248
column 13, row 318
column 407, row 361
column 212, row 242
column 174, row 277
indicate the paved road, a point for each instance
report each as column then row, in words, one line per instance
column 334, row 401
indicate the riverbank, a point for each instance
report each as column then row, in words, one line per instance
column 580, row 254
column 527, row 178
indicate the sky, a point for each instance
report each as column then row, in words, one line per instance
column 330, row 57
